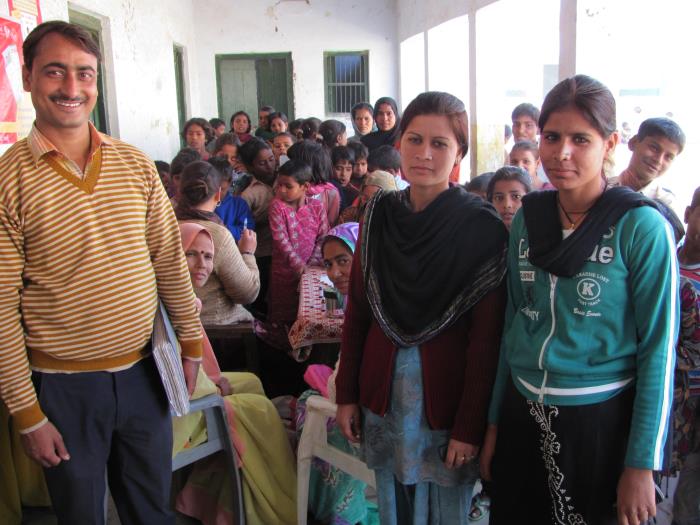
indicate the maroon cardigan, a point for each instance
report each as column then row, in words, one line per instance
column 458, row 365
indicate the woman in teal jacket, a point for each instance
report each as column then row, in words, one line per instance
column 580, row 407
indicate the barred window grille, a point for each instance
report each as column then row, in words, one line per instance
column 346, row 76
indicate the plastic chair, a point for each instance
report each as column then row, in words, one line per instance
column 218, row 439
column 314, row 442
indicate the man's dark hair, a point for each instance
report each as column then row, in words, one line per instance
column 526, row 109
column 224, row 168
column 77, row 34
column 384, row 158
column 360, row 150
column 267, row 109
column 226, row 139
column 182, row 159
column 526, row 145
column 342, row 153
column 664, row 127
column 216, row 122
column 480, row 183
column 161, row 165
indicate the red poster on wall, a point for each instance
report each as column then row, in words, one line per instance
column 10, row 78
column 27, row 11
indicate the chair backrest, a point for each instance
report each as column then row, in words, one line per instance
column 314, row 443
column 218, row 439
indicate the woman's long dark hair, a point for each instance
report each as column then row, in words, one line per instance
column 199, row 182
column 316, row 156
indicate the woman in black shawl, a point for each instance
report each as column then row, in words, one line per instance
column 388, row 121
column 422, row 328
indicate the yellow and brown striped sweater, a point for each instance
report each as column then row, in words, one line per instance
column 83, row 260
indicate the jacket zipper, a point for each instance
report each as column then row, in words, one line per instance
column 553, row 284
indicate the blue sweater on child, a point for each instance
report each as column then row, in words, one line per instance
column 235, row 214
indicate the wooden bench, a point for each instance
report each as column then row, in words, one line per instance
column 238, row 332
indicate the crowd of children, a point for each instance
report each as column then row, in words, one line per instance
column 290, row 182
column 538, row 329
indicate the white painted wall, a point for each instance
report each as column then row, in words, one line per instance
column 140, row 84
column 416, row 16
column 304, row 28
column 139, row 37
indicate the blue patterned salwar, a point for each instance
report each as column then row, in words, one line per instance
column 413, row 484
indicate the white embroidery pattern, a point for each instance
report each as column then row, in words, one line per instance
column 562, row 509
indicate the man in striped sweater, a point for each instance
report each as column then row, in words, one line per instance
column 88, row 243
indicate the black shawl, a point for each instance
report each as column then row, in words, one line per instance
column 383, row 138
column 565, row 257
column 380, row 138
column 424, row 270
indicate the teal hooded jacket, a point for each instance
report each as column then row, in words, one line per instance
column 610, row 327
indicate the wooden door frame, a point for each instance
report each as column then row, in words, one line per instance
column 255, row 56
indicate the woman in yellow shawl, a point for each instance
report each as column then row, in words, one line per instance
column 269, row 477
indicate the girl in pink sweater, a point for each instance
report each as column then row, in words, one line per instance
column 297, row 224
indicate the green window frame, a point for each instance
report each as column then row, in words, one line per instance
column 93, row 26
column 179, row 63
column 346, row 80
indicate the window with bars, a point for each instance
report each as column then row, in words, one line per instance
column 346, row 77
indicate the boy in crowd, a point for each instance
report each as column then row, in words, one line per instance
column 264, row 122
column 343, row 160
column 164, row 174
column 359, row 169
column 218, row 126
column 387, row 158
column 526, row 155
column 654, row 148
column 479, row 184
column 280, row 144
column 525, row 117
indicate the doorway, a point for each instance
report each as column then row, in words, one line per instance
column 248, row 82
column 93, row 26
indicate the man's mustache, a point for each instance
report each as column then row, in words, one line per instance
column 62, row 98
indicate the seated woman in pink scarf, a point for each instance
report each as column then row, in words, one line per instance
column 268, row 465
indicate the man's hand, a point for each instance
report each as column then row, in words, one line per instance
column 45, row 446
column 190, row 368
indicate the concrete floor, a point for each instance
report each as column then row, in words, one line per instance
column 44, row 516
column 41, row 516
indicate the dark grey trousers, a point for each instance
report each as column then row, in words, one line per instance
column 114, row 421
